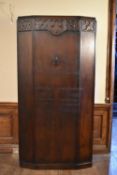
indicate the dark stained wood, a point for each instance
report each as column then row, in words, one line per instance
column 26, row 112
column 110, row 53
column 87, row 71
column 56, row 91
column 55, row 88
column 110, row 62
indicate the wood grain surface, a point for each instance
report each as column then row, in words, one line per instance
column 56, row 68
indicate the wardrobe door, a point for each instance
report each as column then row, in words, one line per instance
column 56, row 84
column 56, row 89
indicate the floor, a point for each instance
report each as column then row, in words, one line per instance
column 107, row 164
column 102, row 164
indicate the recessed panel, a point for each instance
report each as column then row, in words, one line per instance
column 56, row 76
column 5, row 126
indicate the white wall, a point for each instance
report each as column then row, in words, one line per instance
column 8, row 43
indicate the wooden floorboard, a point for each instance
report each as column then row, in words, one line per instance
column 9, row 166
column 102, row 165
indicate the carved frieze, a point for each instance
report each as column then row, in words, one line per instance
column 56, row 25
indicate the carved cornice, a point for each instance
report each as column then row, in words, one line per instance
column 56, row 25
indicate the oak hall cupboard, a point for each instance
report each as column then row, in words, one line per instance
column 56, row 64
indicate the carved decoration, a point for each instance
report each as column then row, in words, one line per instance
column 58, row 25
column 87, row 25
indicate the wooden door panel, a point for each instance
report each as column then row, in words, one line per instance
column 57, row 96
